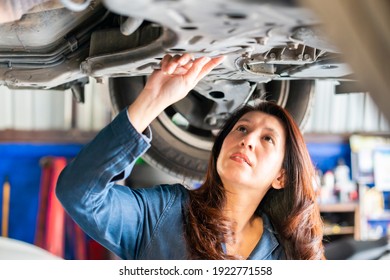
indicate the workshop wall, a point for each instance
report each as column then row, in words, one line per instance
column 21, row 162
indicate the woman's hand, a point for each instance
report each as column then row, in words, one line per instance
column 177, row 76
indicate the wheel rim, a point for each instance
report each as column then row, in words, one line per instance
column 178, row 125
column 179, row 131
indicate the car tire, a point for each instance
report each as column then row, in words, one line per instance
column 173, row 152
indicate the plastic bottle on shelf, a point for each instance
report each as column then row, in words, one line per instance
column 345, row 189
column 327, row 188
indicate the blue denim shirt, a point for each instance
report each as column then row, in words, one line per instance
column 142, row 223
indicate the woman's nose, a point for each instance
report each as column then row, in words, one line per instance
column 248, row 142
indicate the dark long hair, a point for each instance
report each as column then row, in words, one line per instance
column 292, row 210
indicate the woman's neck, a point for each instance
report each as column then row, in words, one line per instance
column 241, row 205
column 247, row 226
column 240, row 208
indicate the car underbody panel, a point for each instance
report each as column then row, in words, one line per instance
column 51, row 46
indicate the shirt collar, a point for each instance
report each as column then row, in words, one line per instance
column 267, row 243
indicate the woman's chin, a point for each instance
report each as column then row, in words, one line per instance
column 235, row 177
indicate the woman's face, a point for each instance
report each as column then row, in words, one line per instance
column 252, row 153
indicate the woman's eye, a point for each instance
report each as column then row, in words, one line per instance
column 241, row 128
column 269, row 139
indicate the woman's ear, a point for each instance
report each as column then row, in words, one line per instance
column 278, row 182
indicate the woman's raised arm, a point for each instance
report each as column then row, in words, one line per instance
column 177, row 76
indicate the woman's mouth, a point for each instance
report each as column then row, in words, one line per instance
column 239, row 157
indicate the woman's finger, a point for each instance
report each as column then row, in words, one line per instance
column 209, row 66
column 173, row 64
column 201, row 67
column 196, row 68
column 165, row 62
column 188, row 65
column 183, row 69
column 170, row 65
column 185, row 59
